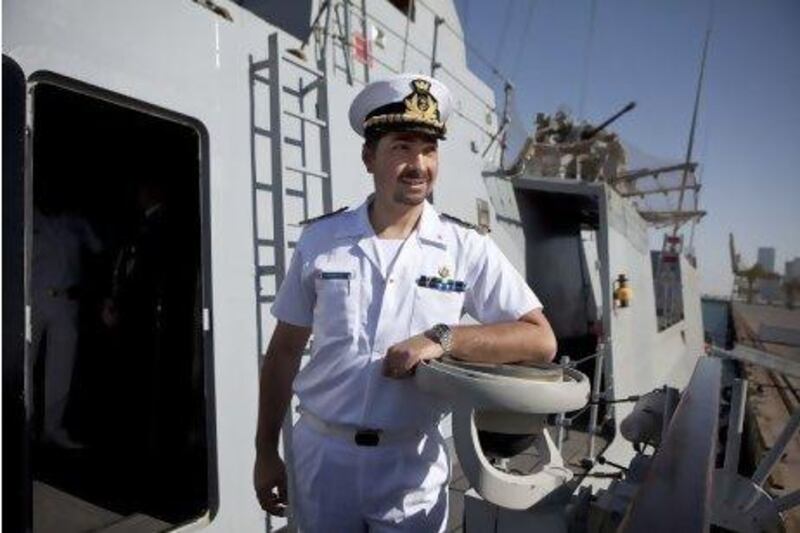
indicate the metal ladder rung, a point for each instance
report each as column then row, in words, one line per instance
column 264, row 187
column 300, row 64
column 262, row 131
column 265, row 242
column 302, row 170
column 306, row 118
column 262, row 79
column 293, row 141
column 292, row 91
column 313, row 86
column 296, row 193
column 266, row 298
column 266, row 270
column 260, row 65
column 292, row 244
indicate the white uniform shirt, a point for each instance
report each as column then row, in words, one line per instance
column 336, row 286
column 59, row 241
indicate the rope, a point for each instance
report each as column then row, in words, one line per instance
column 405, row 37
column 504, row 31
column 528, row 22
column 587, row 60
column 477, row 53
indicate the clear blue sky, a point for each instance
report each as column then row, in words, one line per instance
column 748, row 141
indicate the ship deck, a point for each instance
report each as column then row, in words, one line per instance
column 772, row 396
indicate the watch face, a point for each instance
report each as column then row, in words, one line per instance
column 443, row 336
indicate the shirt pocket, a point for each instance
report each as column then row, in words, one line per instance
column 336, row 309
column 432, row 306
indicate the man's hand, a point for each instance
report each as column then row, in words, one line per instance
column 402, row 358
column 269, row 479
column 109, row 313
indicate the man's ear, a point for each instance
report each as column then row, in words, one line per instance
column 368, row 156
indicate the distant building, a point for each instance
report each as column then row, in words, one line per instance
column 766, row 258
column 770, row 291
column 792, row 271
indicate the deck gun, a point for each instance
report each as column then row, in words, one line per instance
column 591, row 132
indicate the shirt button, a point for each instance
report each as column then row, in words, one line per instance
column 391, row 280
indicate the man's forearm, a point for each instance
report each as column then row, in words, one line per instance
column 275, row 390
column 509, row 342
column 277, row 375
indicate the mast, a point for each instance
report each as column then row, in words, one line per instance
column 668, row 286
column 693, row 127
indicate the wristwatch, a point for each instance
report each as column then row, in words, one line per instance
column 442, row 334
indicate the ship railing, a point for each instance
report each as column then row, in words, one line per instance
column 743, row 501
column 563, row 422
column 684, row 489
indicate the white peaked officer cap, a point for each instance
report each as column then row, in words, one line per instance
column 405, row 102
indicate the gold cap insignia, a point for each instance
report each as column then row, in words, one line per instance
column 420, row 104
column 444, row 272
column 419, row 110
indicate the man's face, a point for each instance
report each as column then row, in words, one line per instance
column 405, row 166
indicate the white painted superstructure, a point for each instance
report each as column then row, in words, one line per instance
column 186, row 63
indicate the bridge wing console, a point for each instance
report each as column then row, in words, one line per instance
column 499, row 411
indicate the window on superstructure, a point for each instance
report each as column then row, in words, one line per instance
column 407, row 7
column 668, row 288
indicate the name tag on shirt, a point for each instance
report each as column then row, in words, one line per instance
column 335, row 279
column 335, row 275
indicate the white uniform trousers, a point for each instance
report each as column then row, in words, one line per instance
column 343, row 487
column 55, row 320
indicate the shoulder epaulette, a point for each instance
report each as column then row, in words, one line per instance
column 324, row 215
column 483, row 230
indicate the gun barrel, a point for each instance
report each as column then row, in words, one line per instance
column 597, row 129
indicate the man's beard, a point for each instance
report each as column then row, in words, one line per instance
column 404, row 198
column 401, row 198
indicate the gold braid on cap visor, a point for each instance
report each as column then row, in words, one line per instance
column 421, row 108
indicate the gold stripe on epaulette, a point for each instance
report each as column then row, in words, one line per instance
column 483, row 230
column 320, row 217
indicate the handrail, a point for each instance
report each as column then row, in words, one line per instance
column 748, row 354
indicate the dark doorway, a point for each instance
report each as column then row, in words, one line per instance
column 120, row 402
column 563, row 236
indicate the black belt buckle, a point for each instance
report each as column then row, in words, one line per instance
column 368, row 437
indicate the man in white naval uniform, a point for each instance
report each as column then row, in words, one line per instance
column 60, row 242
column 382, row 289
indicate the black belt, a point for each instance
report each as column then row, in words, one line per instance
column 360, row 436
column 367, row 437
column 70, row 293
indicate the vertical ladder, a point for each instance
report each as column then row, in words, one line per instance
column 290, row 163
column 290, row 168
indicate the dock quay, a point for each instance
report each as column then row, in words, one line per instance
column 772, row 395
